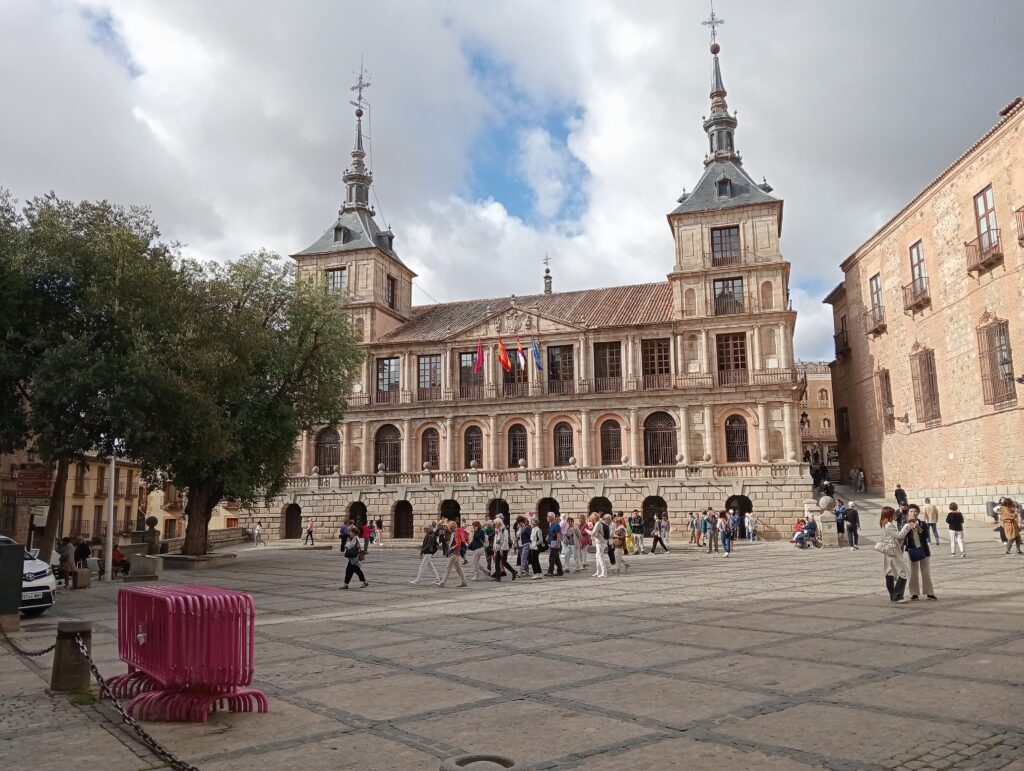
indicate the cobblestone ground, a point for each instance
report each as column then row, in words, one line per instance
column 771, row 659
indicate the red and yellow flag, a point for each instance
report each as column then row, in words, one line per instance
column 503, row 357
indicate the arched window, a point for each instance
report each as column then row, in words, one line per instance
column 328, row 450
column 517, row 445
column 691, row 353
column 767, row 296
column 826, row 425
column 690, row 302
column 563, row 443
column 473, row 446
column 611, row 443
column 737, row 449
column 822, row 396
column 659, row 440
column 430, row 448
column 388, row 449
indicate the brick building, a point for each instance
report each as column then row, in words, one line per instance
column 662, row 396
column 927, row 320
column 817, row 418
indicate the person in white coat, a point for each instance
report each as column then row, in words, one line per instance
column 600, row 536
column 501, row 547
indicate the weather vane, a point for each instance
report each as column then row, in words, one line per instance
column 547, row 260
column 362, row 83
column 713, row 22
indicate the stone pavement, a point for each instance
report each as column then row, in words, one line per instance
column 772, row 659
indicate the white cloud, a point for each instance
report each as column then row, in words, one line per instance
column 545, row 168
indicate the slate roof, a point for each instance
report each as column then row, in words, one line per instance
column 616, row 306
column 745, row 191
column 363, row 230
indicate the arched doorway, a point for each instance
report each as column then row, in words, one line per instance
column 357, row 513
column 737, row 450
column 451, row 510
column 388, row 449
column 653, row 507
column 600, row 504
column 659, row 440
column 402, row 526
column 743, row 505
column 498, row 507
column 293, row 521
column 546, row 506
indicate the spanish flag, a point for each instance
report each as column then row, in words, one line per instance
column 503, row 357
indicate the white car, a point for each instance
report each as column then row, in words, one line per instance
column 38, row 585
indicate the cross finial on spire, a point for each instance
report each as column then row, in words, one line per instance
column 362, row 83
column 547, row 260
column 713, row 22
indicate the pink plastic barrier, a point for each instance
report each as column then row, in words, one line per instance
column 189, row 649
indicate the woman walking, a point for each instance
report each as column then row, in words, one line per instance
column 475, row 550
column 659, row 534
column 1009, row 519
column 452, row 544
column 586, row 525
column 955, row 523
column 600, row 533
column 427, row 550
column 725, row 532
column 619, row 536
column 354, row 554
column 501, row 544
column 920, row 556
column 523, row 534
column 535, row 547
column 893, row 564
column 310, row 527
column 852, row 517
column 257, row 534
column 570, row 536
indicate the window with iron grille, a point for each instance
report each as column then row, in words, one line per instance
column 737, row 448
column 997, row 383
column 611, row 443
column 659, row 440
column 101, row 480
column 517, row 445
column 728, row 296
column 76, row 520
column 129, row 489
column 389, row 291
column 430, row 448
column 99, row 518
column 471, row 382
column 560, row 368
column 388, row 449
column 336, row 280
column 926, row 385
column 883, row 399
column 725, row 243
column 473, row 446
column 327, row 450
column 8, row 509
column 656, row 363
column 843, row 423
column 429, row 381
column 563, row 444
column 608, row 366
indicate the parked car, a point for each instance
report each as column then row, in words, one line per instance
column 38, row 585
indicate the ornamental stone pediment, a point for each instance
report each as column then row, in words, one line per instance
column 513, row 322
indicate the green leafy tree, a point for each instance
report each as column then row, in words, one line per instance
column 256, row 358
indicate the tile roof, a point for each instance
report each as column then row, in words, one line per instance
column 616, row 306
column 745, row 191
column 363, row 233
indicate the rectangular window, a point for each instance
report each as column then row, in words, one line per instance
column 129, row 486
column 843, row 423
column 607, row 367
column 656, row 363
column 725, row 245
column 875, row 287
column 560, row 369
column 99, row 518
column 8, row 510
column 471, row 383
column 985, row 215
column 997, row 383
column 515, row 382
column 883, row 398
column 917, row 274
column 118, row 489
column 80, row 471
column 387, row 380
column 732, row 359
column 429, row 383
column 336, row 280
column 389, row 292
column 76, row 521
column 728, row 296
column 926, row 385
column 101, row 481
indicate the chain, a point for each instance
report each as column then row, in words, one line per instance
column 157, row 748
column 22, row 651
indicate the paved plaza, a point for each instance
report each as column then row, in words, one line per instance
column 772, row 659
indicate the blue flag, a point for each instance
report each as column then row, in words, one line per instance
column 536, row 355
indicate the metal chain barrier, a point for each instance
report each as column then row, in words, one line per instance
column 21, row 651
column 155, row 746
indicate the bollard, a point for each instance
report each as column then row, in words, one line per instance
column 70, row 668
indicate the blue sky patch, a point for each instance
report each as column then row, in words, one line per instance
column 104, row 33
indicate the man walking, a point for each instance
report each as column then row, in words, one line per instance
column 930, row 514
column 852, row 525
column 751, row 526
column 554, row 546
column 711, row 521
column 427, row 550
column 636, row 527
column 900, row 495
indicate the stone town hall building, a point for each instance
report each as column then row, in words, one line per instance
column 663, row 396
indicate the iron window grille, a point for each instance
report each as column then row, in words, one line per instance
column 388, row 449
column 611, row 443
column 328, row 450
column 517, row 445
column 997, row 381
column 659, row 440
column 737, row 447
column 926, row 385
column 430, row 448
column 473, row 446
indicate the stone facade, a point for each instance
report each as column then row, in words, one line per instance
column 676, row 394
column 817, row 417
column 927, row 320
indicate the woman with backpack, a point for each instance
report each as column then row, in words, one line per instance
column 354, row 554
column 427, row 550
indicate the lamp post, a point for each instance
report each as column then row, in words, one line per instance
column 108, row 544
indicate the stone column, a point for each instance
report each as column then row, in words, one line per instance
column 446, row 370
column 787, row 433
column 673, row 347
column 407, row 453
column 683, row 442
column 762, row 430
column 755, row 346
column 346, row 439
column 303, row 445
column 583, row 460
column 492, row 442
column 581, row 368
column 705, row 355
column 629, row 357
column 634, row 437
column 709, row 433
column 537, row 456
column 449, row 444
column 367, row 450
column 783, row 346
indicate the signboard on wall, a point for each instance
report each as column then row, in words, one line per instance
column 35, row 482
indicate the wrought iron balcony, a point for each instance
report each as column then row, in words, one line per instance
column 733, row 377
column 561, row 387
column 660, row 382
column 916, row 296
column 725, row 257
column 842, row 340
column 875, row 320
column 775, row 376
column 984, row 251
column 515, row 390
column 605, row 385
column 731, row 304
column 429, row 394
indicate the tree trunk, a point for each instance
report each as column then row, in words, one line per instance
column 199, row 502
column 55, row 511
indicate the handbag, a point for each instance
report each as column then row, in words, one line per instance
column 888, row 548
column 916, row 553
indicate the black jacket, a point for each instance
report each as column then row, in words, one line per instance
column 429, row 545
column 955, row 520
column 921, row 539
column 852, row 518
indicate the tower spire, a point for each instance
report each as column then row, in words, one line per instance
column 720, row 126
column 357, row 177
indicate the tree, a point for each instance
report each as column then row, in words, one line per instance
column 81, row 286
column 256, row 358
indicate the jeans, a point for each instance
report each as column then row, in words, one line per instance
column 352, row 569
column 956, row 537
column 366, row 545
column 638, row 543
column 751, row 534
column 934, row 527
column 726, row 541
column 524, row 558
column 258, row 539
column 599, row 555
column 555, row 561
column 426, row 561
column 852, row 537
column 500, row 562
column 308, row 538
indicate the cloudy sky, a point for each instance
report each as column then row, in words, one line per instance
column 500, row 131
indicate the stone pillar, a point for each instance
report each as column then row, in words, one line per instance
column 303, row 444
column 673, row 349
column 449, row 444
column 683, row 434
column 446, row 370
column 537, row 456
column 705, row 354
column 581, row 368
column 709, row 433
column 787, row 434
column 755, row 347
column 583, row 461
column 492, row 442
column 70, row 670
column 634, row 438
column 762, row 430
column 367, row 450
column 489, row 358
column 346, row 438
column 629, row 357
column 783, row 346
column 407, row 453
